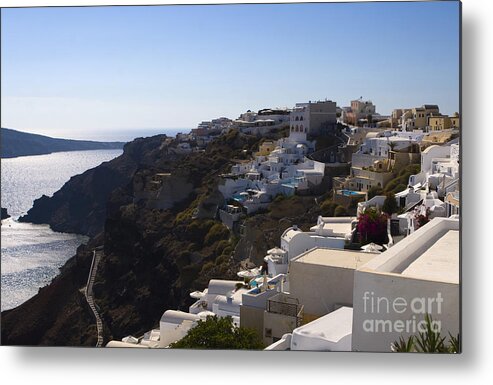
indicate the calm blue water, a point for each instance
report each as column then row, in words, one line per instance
column 32, row 254
column 350, row 192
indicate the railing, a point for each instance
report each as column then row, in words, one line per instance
column 389, row 235
column 90, row 299
column 282, row 304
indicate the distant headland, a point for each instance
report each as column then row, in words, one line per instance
column 16, row 143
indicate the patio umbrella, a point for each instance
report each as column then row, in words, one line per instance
column 276, row 251
column 206, row 313
column 197, row 294
column 371, row 248
column 251, row 273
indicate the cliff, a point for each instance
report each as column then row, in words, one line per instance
column 16, row 143
column 153, row 257
column 80, row 205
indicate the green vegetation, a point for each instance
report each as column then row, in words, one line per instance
column 219, row 333
column 222, row 246
column 429, row 341
column 290, row 207
column 198, row 229
column 279, row 198
column 390, row 204
column 328, row 208
column 374, row 191
column 217, row 232
column 400, row 182
column 340, row 211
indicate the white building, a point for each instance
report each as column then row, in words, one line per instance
column 284, row 170
column 439, row 169
column 329, row 232
column 322, row 279
column 434, row 190
column 332, row 333
column 377, row 146
column 394, row 291
column 174, row 325
column 222, row 297
column 263, row 122
column 391, row 293
column 380, row 156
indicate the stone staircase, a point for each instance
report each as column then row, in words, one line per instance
column 90, row 298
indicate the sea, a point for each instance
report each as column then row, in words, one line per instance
column 31, row 255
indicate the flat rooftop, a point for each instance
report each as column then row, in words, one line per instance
column 440, row 262
column 346, row 259
column 431, row 253
column 338, row 228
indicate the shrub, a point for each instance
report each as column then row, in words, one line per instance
column 328, row 207
column 219, row 333
column 189, row 274
column 389, row 187
column 390, row 204
column 354, row 202
column 222, row 259
column 340, row 211
column 221, row 246
column 227, row 250
column 374, row 191
column 216, row 233
column 197, row 230
column 279, row 198
column 429, row 341
column 207, row 267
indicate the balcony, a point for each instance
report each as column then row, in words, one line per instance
column 285, row 305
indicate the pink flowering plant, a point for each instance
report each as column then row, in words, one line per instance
column 421, row 219
column 372, row 227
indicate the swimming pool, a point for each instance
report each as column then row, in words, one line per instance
column 350, row 193
column 239, row 198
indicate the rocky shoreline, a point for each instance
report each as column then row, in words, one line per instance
column 5, row 214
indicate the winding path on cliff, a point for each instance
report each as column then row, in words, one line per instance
column 96, row 257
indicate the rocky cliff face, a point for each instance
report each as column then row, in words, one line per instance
column 58, row 315
column 152, row 258
column 80, row 205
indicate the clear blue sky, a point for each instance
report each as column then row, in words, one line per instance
column 71, row 71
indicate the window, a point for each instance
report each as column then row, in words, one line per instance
column 268, row 333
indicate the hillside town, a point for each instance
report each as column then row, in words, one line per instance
column 367, row 274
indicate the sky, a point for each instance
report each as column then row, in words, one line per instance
column 76, row 72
